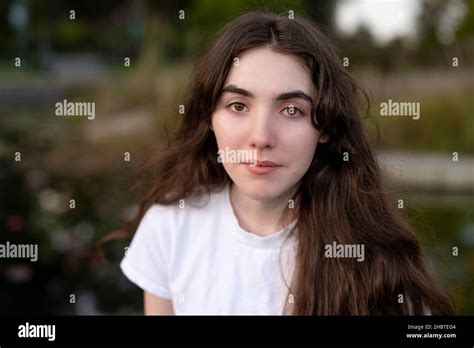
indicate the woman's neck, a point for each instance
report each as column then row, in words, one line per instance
column 261, row 217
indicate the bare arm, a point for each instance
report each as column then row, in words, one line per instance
column 154, row 305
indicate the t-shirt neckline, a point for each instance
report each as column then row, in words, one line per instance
column 274, row 241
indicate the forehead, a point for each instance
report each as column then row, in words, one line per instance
column 266, row 72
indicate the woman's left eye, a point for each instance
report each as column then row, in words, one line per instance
column 293, row 111
column 237, row 107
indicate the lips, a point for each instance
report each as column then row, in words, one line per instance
column 267, row 164
column 262, row 167
column 264, row 164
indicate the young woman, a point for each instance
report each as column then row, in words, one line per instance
column 268, row 198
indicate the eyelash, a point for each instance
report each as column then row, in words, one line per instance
column 297, row 110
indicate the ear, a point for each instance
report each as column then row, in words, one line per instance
column 324, row 138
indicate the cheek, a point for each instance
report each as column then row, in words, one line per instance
column 227, row 137
column 301, row 142
column 220, row 129
column 226, row 133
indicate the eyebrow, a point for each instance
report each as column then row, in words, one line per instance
column 284, row 96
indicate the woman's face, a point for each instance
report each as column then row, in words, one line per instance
column 265, row 110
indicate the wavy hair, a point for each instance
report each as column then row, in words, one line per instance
column 337, row 201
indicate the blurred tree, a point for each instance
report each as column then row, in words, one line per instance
column 322, row 11
column 466, row 27
column 428, row 21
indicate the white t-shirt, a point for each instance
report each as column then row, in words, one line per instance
column 199, row 257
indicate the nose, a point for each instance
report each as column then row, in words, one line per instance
column 262, row 133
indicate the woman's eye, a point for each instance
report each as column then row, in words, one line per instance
column 293, row 111
column 237, row 107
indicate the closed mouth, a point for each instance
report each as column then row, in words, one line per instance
column 264, row 164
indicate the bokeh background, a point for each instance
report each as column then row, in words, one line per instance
column 404, row 50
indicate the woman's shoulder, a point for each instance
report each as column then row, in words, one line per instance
column 196, row 206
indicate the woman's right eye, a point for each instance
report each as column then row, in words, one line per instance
column 237, row 107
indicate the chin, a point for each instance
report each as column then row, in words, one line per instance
column 260, row 189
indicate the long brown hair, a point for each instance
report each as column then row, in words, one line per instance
column 341, row 198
